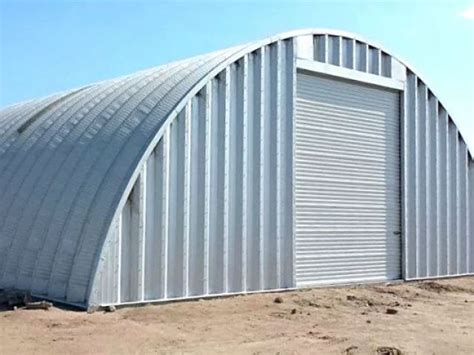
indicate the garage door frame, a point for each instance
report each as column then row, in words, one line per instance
column 351, row 75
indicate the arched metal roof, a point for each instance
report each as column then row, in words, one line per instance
column 67, row 163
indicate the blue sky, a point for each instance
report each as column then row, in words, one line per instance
column 49, row 46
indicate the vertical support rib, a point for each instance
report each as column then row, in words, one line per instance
column 442, row 190
column 142, row 232
column 431, row 184
column 461, row 206
column 354, row 55
column 291, row 113
column 325, row 47
column 173, row 205
column 187, row 196
column 225, row 270
column 421, row 214
column 244, row 153
column 119, row 259
column 263, row 109
column 451, row 205
column 409, row 175
column 284, row 163
column 166, row 211
column 466, row 215
column 207, row 187
column 279, row 138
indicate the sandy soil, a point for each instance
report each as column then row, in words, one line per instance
column 434, row 317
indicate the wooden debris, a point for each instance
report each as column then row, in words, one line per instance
column 39, row 305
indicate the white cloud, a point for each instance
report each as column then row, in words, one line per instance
column 468, row 13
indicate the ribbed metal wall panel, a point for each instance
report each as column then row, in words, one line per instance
column 347, row 182
column 108, row 277
column 229, row 148
column 437, row 197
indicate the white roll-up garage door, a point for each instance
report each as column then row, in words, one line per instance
column 347, row 182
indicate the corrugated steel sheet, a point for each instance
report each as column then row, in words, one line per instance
column 436, row 201
column 218, row 197
column 347, row 182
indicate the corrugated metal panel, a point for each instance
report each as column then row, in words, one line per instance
column 221, row 180
column 347, row 182
column 108, row 275
column 442, row 191
column 461, row 207
column 436, row 201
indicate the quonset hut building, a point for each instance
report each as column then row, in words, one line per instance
column 309, row 158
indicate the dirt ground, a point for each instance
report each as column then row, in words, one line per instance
column 435, row 317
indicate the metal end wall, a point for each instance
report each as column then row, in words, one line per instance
column 211, row 211
column 223, row 180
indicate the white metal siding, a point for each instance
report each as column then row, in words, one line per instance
column 436, row 199
column 347, row 182
column 211, row 212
